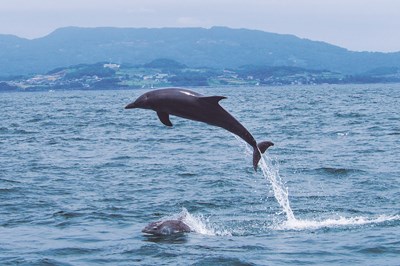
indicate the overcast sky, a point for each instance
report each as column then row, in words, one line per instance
column 359, row 25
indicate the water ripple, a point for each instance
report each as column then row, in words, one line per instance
column 80, row 177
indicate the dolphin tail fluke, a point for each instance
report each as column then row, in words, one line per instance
column 261, row 147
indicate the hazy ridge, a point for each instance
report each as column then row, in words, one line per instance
column 217, row 47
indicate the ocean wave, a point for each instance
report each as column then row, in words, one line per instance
column 337, row 171
column 349, row 115
column 221, row 260
column 42, row 261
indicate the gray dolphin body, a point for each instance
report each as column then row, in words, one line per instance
column 168, row 227
column 191, row 105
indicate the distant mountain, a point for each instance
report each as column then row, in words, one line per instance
column 218, row 47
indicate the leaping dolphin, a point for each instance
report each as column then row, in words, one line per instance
column 192, row 105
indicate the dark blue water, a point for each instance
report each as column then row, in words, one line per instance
column 80, row 177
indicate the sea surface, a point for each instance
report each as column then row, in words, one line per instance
column 80, row 177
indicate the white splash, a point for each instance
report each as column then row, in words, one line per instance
column 329, row 223
column 271, row 173
column 200, row 224
column 281, row 193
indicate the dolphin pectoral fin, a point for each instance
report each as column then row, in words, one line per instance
column 164, row 118
column 212, row 99
column 261, row 147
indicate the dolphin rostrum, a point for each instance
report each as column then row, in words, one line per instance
column 192, row 105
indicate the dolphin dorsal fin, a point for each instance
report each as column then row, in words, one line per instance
column 212, row 99
column 164, row 118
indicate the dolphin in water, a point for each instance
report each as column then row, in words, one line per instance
column 168, row 227
column 192, row 105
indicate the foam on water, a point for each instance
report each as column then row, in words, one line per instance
column 270, row 171
column 199, row 224
column 338, row 222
